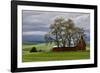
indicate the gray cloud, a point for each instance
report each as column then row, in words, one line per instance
column 38, row 22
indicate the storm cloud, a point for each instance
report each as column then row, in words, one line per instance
column 36, row 23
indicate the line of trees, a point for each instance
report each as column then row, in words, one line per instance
column 63, row 33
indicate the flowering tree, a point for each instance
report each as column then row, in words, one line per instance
column 63, row 32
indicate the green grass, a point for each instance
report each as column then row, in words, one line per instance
column 52, row 56
column 48, row 55
column 43, row 47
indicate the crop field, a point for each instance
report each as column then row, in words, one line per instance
column 47, row 55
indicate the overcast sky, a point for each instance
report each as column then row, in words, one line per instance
column 36, row 23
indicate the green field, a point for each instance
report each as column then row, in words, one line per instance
column 48, row 55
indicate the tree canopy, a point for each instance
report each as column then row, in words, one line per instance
column 64, row 33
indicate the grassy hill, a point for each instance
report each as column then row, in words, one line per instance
column 48, row 55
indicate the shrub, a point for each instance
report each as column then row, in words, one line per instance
column 33, row 49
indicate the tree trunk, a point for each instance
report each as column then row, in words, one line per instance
column 64, row 43
column 57, row 40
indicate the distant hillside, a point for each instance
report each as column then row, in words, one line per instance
column 40, row 39
column 33, row 42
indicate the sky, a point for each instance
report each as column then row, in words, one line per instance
column 35, row 24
